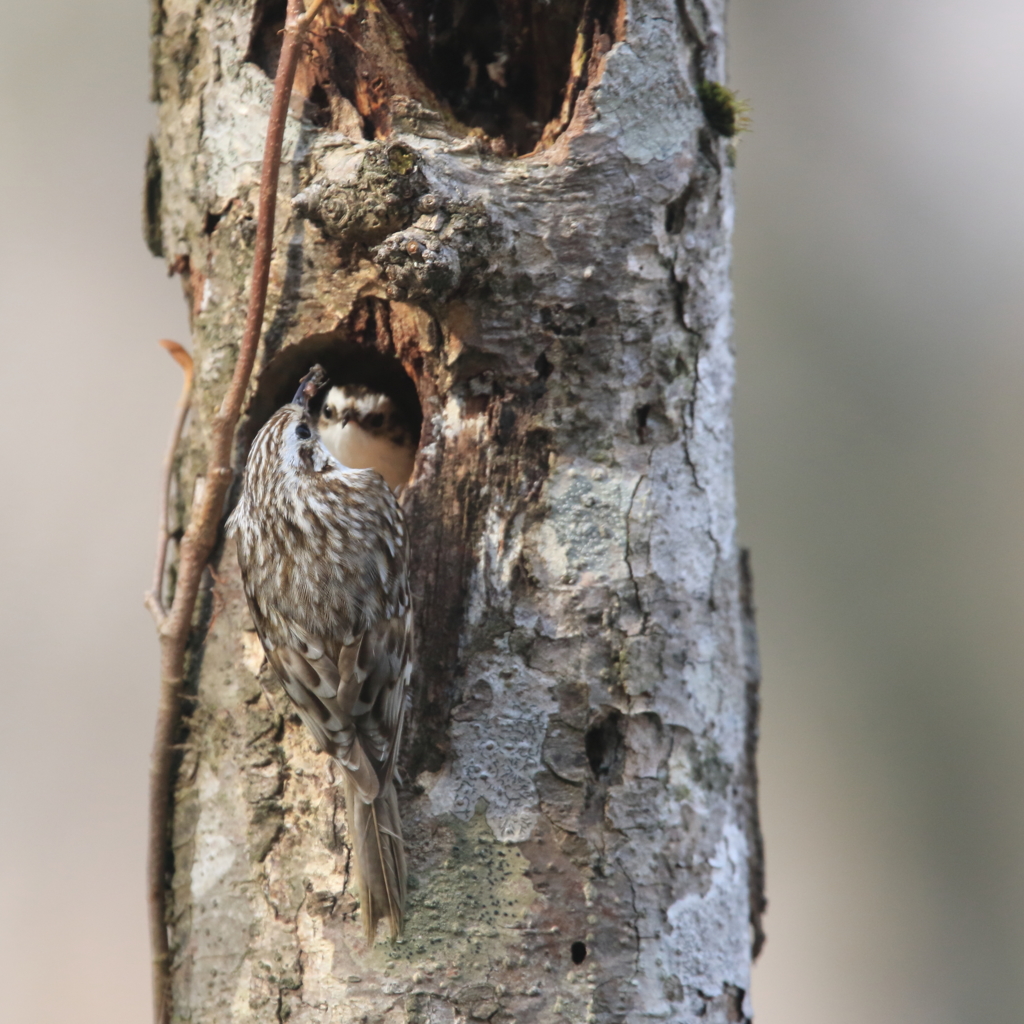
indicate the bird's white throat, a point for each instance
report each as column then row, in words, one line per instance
column 356, row 448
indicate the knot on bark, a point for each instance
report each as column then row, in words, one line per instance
column 444, row 250
column 363, row 194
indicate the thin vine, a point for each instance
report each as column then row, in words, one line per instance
column 174, row 624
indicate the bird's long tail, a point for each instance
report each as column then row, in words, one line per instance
column 378, row 854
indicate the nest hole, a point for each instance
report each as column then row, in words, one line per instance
column 578, row 952
column 346, row 362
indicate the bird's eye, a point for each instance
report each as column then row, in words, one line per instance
column 375, row 420
column 328, row 412
column 302, row 431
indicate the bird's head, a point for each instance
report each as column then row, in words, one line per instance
column 294, row 428
column 355, row 403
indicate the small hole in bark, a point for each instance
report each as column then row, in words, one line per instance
column 642, row 413
column 506, row 423
column 318, row 107
column 210, row 222
column 543, row 366
column 579, row 952
column 603, row 743
column 675, row 211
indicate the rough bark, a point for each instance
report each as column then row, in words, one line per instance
column 535, row 256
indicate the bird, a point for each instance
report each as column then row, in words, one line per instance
column 323, row 554
column 364, row 429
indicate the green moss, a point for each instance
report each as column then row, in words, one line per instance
column 401, row 160
column 725, row 111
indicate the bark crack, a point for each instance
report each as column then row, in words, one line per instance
column 634, row 921
column 692, row 425
column 644, row 614
column 690, row 463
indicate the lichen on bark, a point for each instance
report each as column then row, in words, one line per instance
column 540, row 267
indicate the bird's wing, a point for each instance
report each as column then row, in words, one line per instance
column 354, row 705
column 313, row 687
column 386, row 659
column 378, row 677
column 374, row 675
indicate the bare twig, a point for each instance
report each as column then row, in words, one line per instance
column 174, row 626
column 155, row 597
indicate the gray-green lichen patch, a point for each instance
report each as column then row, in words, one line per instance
column 502, row 739
column 588, row 508
column 468, row 897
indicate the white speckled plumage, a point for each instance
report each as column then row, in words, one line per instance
column 322, row 549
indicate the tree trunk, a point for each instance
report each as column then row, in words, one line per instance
column 514, row 218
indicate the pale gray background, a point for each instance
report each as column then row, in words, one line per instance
column 879, row 304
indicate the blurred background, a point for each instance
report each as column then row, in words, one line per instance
column 879, row 254
column 880, row 417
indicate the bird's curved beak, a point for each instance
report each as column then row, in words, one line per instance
column 309, row 386
column 347, row 417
